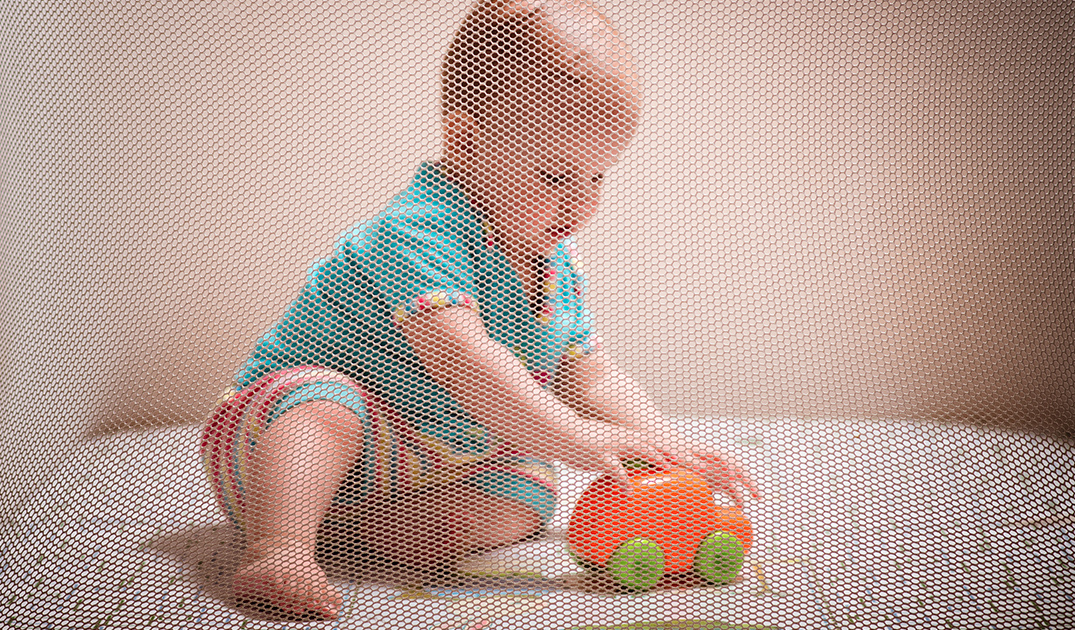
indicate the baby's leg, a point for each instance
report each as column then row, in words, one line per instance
column 296, row 468
column 426, row 530
column 491, row 503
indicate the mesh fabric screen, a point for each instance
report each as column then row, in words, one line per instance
column 549, row 315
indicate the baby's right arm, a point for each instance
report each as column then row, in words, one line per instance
column 494, row 387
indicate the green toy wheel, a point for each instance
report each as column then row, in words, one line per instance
column 637, row 564
column 586, row 564
column 719, row 557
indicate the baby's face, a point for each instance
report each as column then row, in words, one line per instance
column 537, row 161
column 538, row 175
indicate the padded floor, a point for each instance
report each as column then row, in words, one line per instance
column 889, row 525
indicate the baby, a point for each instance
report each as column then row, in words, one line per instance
column 442, row 356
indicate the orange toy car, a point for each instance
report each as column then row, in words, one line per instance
column 669, row 525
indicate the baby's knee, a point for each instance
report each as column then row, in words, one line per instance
column 330, row 416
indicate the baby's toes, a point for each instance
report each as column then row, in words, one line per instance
column 323, row 600
column 284, row 596
column 263, row 594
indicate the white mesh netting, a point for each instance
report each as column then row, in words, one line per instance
column 537, row 315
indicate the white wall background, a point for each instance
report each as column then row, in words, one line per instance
column 833, row 209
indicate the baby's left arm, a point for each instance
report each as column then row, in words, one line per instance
column 596, row 388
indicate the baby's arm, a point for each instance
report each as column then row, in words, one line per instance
column 597, row 389
column 494, row 387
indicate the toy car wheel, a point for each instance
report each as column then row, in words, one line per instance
column 719, row 557
column 637, row 564
column 586, row 564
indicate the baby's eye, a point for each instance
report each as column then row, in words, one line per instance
column 552, row 178
column 597, row 178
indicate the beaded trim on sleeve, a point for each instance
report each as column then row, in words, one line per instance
column 430, row 301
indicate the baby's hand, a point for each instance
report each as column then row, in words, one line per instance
column 603, row 447
column 722, row 471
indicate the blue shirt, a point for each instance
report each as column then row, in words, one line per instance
column 430, row 248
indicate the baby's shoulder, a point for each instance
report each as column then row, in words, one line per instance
column 412, row 219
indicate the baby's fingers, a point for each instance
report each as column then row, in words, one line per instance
column 690, row 462
column 613, row 467
column 729, row 474
column 659, row 458
column 731, row 490
column 738, row 472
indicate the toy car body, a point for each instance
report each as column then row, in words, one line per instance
column 669, row 525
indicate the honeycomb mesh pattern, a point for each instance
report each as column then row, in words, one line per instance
column 462, row 316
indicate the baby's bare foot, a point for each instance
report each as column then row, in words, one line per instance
column 285, row 581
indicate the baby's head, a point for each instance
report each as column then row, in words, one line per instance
column 539, row 99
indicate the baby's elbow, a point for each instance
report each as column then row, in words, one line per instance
column 441, row 336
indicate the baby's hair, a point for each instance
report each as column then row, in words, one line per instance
column 495, row 51
column 506, row 56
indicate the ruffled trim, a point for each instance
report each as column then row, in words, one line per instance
column 430, row 301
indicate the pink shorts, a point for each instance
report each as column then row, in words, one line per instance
column 396, row 458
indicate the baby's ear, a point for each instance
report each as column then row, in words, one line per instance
column 459, row 135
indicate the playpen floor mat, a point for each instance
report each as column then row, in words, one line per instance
column 863, row 525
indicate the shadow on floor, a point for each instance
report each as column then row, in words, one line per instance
column 212, row 554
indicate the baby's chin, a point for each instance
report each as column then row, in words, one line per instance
column 556, row 235
column 545, row 242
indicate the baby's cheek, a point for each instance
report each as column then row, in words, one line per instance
column 544, row 209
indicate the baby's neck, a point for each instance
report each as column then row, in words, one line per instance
column 527, row 262
column 529, row 270
column 526, row 266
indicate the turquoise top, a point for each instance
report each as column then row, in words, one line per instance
column 430, row 248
